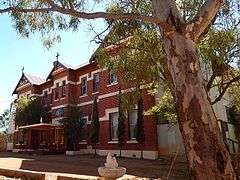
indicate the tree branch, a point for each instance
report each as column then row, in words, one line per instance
column 84, row 15
column 203, row 18
column 224, row 89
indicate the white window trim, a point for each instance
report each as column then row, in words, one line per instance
column 112, row 84
column 85, row 94
column 107, row 112
column 132, row 141
column 113, row 141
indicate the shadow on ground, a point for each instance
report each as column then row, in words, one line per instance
column 87, row 165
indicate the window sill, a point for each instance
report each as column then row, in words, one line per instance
column 132, row 142
column 113, row 142
column 95, row 92
column 83, row 142
column 85, row 95
column 112, row 84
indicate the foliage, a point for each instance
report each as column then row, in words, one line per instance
column 234, row 93
column 4, row 121
column 165, row 109
column 95, row 124
column 72, row 125
column 143, row 58
column 29, row 111
column 121, row 122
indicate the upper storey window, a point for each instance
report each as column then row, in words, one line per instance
column 64, row 89
column 96, row 82
column 112, row 77
column 84, row 86
column 57, row 91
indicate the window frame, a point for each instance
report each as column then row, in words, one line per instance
column 56, row 97
column 129, row 125
column 86, row 128
column 111, row 127
column 45, row 97
column 112, row 78
column 84, row 86
column 63, row 95
column 96, row 84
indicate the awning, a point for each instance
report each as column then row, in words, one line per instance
column 40, row 126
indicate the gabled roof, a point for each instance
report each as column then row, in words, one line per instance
column 27, row 78
column 58, row 65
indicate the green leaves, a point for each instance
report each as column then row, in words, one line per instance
column 29, row 111
column 165, row 109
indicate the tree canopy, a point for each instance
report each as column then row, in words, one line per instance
column 29, row 111
column 181, row 25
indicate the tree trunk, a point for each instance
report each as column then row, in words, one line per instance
column 207, row 155
column 206, row 152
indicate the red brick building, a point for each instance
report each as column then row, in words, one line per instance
column 69, row 86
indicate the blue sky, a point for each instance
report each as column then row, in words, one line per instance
column 75, row 48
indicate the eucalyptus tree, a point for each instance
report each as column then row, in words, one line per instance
column 179, row 33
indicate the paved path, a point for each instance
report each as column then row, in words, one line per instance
column 86, row 165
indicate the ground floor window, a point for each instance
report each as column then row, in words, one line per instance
column 84, row 128
column 132, row 117
column 113, row 118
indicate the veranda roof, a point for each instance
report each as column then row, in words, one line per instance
column 40, row 126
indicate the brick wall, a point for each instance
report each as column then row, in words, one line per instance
column 107, row 99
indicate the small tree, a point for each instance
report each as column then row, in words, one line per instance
column 95, row 126
column 29, row 111
column 72, row 126
column 121, row 124
column 140, row 136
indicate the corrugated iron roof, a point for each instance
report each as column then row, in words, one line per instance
column 34, row 79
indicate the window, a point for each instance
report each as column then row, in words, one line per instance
column 84, row 128
column 63, row 89
column 113, row 117
column 84, row 86
column 132, row 116
column 45, row 97
column 112, row 77
column 96, row 82
column 230, row 114
column 51, row 98
column 57, row 91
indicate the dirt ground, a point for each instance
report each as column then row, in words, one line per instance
column 87, row 165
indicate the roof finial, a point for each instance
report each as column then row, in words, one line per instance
column 22, row 69
column 57, row 55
